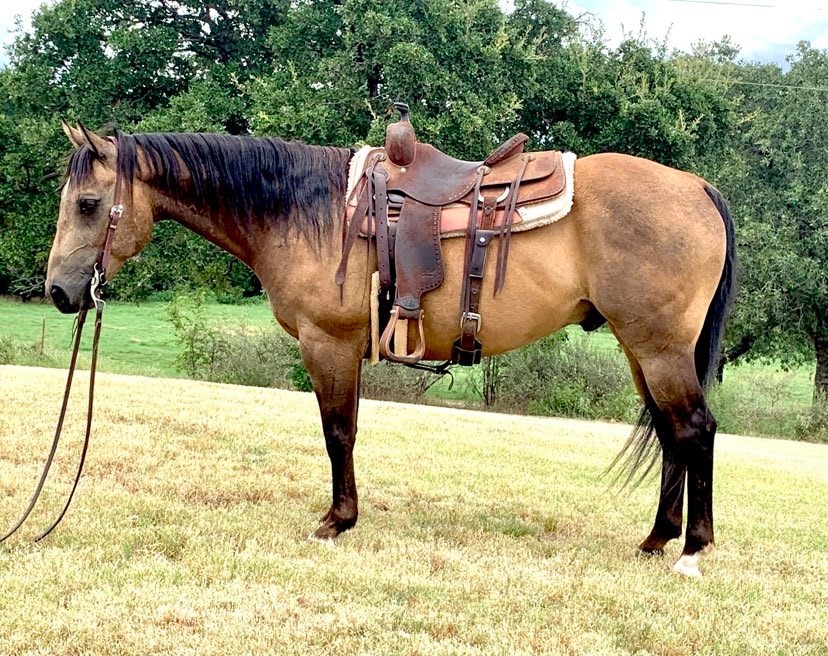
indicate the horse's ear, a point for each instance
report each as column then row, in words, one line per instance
column 74, row 135
column 104, row 149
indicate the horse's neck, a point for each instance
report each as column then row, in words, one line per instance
column 216, row 226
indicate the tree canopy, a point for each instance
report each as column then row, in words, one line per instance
column 327, row 72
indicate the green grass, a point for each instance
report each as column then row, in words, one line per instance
column 135, row 339
column 479, row 534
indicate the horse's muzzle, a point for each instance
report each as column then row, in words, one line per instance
column 69, row 301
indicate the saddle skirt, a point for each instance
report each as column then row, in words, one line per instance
column 454, row 217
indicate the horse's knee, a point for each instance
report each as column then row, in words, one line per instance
column 340, row 437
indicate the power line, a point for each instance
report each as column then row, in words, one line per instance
column 733, row 4
column 766, row 84
column 746, row 4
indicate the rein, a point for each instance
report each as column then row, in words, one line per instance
column 95, row 289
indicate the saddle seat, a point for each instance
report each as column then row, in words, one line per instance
column 434, row 178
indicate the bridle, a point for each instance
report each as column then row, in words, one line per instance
column 95, row 290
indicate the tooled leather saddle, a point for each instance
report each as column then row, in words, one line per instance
column 405, row 190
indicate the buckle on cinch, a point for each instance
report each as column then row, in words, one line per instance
column 471, row 316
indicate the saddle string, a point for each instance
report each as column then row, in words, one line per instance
column 504, row 239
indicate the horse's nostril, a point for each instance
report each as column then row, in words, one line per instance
column 58, row 296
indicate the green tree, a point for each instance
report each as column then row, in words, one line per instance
column 778, row 182
column 146, row 64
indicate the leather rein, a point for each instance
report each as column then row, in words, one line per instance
column 95, row 289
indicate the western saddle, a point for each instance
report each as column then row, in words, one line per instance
column 403, row 192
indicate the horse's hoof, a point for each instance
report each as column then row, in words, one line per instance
column 688, row 565
column 327, row 540
column 643, row 552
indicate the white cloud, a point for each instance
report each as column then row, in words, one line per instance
column 764, row 33
column 8, row 12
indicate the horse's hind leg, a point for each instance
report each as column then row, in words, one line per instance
column 686, row 429
column 668, row 520
column 334, row 366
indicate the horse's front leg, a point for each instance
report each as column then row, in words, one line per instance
column 334, row 366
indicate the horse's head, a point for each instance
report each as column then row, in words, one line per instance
column 88, row 196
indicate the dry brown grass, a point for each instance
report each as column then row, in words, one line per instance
column 480, row 534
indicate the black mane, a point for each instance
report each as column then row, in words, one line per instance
column 254, row 179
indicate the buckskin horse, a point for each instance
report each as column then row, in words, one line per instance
column 645, row 248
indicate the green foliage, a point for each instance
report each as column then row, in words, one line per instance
column 239, row 355
column 326, row 72
column 197, row 339
column 777, row 179
column 13, row 351
column 761, row 405
column 566, row 377
column 388, row 382
column 177, row 259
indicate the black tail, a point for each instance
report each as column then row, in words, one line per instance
column 709, row 346
column 641, row 449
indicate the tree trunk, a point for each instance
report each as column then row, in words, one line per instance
column 821, row 377
column 730, row 356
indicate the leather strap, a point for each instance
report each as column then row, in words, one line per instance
column 508, row 149
column 467, row 348
column 505, row 236
column 470, row 319
column 364, row 208
column 51, row 456
column 380, row 205
column 471, row 228
column 92, row 368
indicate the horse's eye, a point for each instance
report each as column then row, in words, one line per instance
column 88, row 205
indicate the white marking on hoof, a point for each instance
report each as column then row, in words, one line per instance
column 328, row 542
column 688, row 565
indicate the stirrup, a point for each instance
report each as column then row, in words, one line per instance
column 399, row 327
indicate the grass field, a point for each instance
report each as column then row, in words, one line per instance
column 479, row 534
column 136, row 339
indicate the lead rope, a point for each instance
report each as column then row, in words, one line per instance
column 56, row 439
column 95, row 290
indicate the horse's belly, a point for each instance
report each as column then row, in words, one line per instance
column 542, row 294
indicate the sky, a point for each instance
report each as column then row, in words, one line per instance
column 765, row 30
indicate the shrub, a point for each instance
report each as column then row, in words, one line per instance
column 390, row 382
column 565, row 377
column 7, row 350
column 237, row 355
column 14, row 351
column 814, row 425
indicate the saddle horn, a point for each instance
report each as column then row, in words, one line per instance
column 400, row 139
